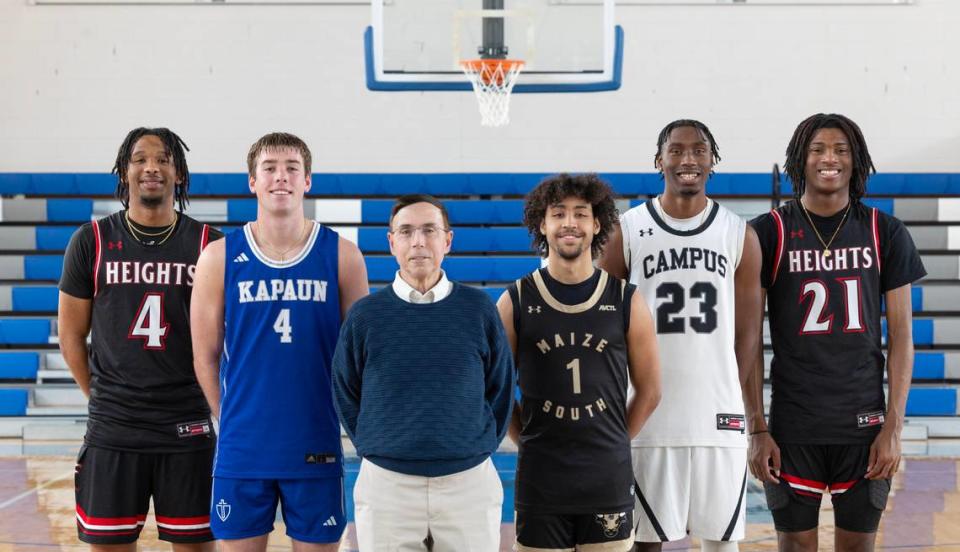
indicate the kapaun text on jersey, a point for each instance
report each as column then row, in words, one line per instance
column 287, row 289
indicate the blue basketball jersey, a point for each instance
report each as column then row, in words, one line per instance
column 282, row 320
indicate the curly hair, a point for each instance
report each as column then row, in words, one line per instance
column 553, row 190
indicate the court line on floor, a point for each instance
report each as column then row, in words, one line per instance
column 35, row 489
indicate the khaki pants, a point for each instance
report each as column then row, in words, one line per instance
column 395, row 512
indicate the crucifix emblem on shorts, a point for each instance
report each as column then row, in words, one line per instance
column 223, row 510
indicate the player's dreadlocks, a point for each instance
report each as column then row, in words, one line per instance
column 174, row 145
column 553, row 190
column 795, row 166
column 680, row 123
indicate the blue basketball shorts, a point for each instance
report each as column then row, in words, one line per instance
column 313, row 509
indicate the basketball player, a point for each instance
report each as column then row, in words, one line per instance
column 697, row 264
column 829, row 262
column 266, row 316
column 580, row 338
column 128, row 278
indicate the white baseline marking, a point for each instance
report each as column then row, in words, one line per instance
column 29, row 492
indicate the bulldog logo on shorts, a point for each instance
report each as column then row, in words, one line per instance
column 611, row 523
column 223, row 510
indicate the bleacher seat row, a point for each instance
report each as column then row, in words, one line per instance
column 491, row 248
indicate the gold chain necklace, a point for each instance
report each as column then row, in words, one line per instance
column 274, row 249
column 166, row 232
column 826, row 245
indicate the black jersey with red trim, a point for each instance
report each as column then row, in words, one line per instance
column 824, row 312
column 144, row 395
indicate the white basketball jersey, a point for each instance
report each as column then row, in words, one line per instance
column 685, row 271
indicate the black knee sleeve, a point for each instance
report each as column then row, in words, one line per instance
column 791, row 514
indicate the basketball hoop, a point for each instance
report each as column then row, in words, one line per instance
column 493, row 81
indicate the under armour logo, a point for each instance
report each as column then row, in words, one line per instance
column 118, row 245
column 223, row 510
column 647, row 232
column 796, row 234
column 531, row 310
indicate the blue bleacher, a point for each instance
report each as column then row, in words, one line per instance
column 393, row 184
column 24, row 331
column 53, row 238
column 929, row 365
column 34, row 298
column 69, row 210
column 42, row 267
column 924, row 401
column 19, row 365
column 13, row 402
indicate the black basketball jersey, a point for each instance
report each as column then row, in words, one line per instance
column 574, row 453
column 824, row 312
column 144, row 395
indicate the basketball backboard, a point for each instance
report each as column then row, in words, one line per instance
column 565, row 45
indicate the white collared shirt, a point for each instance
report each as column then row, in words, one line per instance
column 437, row 293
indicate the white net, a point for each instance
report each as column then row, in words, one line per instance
column 493, row 81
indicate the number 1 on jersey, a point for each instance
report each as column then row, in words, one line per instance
column 282, row 326
column 149, row 324
column 575, row 366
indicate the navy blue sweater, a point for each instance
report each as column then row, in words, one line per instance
column 424, row 389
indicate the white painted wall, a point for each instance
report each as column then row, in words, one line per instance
column 74, row 79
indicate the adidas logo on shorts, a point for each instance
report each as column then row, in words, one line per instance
column 241, row 258
column 331, row 522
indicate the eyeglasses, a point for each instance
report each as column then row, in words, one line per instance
column 428, row 231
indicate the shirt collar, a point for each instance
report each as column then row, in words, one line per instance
column 437, row 293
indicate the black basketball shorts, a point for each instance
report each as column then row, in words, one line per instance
column 113, row 490
column 585, row 532
column 809, row 471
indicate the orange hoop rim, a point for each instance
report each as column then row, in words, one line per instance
column 479, row 64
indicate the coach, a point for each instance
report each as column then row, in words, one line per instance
column 423, row 383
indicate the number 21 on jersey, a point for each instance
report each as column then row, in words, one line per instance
column 817, row 296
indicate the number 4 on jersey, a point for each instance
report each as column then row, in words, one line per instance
column 282, row 326
column 150, row 324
